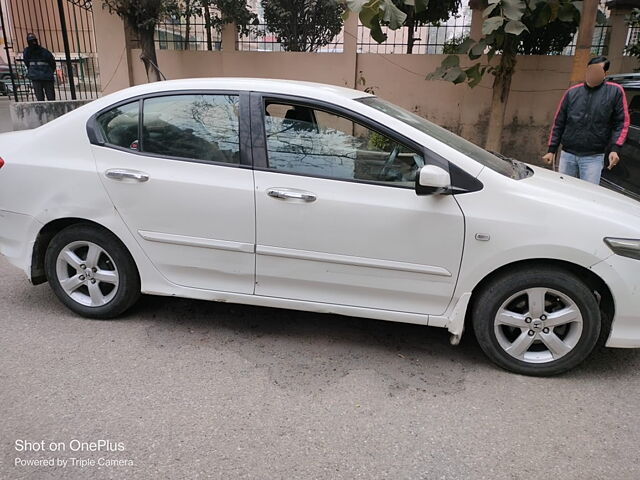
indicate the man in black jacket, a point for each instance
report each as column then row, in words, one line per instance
column 592, row 118
column 40, row 68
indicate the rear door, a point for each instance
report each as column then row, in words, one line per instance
column 184, row 187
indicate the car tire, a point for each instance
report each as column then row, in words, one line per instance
column 539, row 322
column 91, row 272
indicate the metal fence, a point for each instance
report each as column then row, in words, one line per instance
column 180, row 34
column 65, row 28
column 434, row 39
column 599, row 45
column 260, row 39
column 633, row 37
column 437, row 38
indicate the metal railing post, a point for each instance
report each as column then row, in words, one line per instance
column 6, row 48
column 67, row 52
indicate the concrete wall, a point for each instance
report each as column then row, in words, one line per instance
column 26, row 115
column 536, row 90
column 113, row 57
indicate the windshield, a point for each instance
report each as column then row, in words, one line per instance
column 506, row 166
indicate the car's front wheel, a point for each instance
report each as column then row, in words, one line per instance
column 92, row 272
column 537, row 322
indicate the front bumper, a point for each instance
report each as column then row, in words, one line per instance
column 18, row 233
column 622, row 275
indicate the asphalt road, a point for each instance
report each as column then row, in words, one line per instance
column 191, row 389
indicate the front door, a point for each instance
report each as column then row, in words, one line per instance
column 183, row 187
column 338, row 220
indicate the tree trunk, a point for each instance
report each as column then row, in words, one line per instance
column 207, row 23
column 148, row 56
column 410, row 24
column 187, row 23
column 501, row 88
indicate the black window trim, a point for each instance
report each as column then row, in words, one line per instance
column 244, row 128
column 461, row 180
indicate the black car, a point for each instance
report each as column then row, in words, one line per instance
column 625, row 177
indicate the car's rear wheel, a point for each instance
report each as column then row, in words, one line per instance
column 92, row 272
column 537, row 322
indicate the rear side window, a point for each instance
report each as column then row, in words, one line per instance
column 199, row 127
column 119, row 126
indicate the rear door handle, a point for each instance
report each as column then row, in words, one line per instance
column 124, row 174
column 286, row 194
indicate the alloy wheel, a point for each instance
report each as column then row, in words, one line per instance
column 87, row 273
column 538, row 325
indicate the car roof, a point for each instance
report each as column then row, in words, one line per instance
column 626, row 79
column 290, row 87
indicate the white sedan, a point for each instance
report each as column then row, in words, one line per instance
column 313, row 197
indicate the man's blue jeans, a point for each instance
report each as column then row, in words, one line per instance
column 586, row 168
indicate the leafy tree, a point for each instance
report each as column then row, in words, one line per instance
column 218, row 13
column 303, row 25
column 433, row 13
column 550, row 38
column 509, row 27
column 141, row 16
column 452, row 45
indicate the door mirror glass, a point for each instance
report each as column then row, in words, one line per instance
column 432, row 180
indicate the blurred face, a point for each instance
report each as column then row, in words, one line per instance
column 595, row 74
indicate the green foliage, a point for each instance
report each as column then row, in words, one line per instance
column 230, row 11
column 141, row 15
column 431, row 12
column 218, row 13
column 512, row 26
column 379, row 142
column 634, row 22
column 375, row 13
column 543, row 35
column 452, row 46
column 303, row 25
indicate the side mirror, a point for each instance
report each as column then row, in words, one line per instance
column 432, row 180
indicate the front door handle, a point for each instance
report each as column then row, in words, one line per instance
column 124, row 174
column 285, row 194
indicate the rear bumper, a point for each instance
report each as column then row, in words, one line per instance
column 17, row 235
column 622, row 275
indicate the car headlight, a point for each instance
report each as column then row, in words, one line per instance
column 626, row 247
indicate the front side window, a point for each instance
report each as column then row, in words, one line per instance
column 119, row 126
column 199, row 127
column 309, row 141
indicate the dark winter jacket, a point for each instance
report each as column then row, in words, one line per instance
column 590, row 121
column 40, row 63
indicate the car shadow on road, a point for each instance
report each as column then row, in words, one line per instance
column 315, row 343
